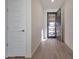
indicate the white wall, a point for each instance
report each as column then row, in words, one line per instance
column 37, row 20
column 68, row 21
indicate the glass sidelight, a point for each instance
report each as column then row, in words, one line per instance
column 51, row 29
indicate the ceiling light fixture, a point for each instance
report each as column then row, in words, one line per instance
column 52, row 0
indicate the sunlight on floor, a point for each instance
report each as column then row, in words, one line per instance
column 42, row 36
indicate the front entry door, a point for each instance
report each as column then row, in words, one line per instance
column 51, row 28
column 16, row 17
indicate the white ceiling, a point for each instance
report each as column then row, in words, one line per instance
column 47, row 4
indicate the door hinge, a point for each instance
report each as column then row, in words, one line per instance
column 7, row 27
column 7, row 9
column 7, row 44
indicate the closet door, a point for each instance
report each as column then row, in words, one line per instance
column 16, row 18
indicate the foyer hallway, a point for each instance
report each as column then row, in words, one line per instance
column 53, row 49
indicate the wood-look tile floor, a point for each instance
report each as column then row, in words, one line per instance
column 53, row 49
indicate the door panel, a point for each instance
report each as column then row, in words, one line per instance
column 58, row 24
column 16, row 28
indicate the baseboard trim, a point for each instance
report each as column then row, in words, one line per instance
column 69, row 47
column 36, row 48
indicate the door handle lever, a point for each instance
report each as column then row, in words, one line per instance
column 22, row 30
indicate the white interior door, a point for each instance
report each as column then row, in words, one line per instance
column 16, row 28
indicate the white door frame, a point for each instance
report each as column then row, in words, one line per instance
column 6, row 28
